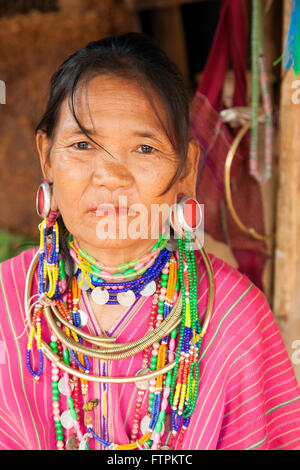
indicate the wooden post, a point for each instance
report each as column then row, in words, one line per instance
column 286, row 305
column 169, row 32
column 271, row 17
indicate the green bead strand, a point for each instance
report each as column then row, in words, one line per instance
column 55, row 396
column 177, row 357
column 66, row 356
column 62, row 269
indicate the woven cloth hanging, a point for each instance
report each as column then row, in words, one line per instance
column 215, row 138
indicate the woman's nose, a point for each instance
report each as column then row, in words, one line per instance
column 112, row 175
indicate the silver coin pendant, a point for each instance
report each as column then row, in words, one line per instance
column 143, row 384
column 72, row 443
column 66, row 419
column 126, row 298
column 100, row 295
column 62, row 386
column 149, row 289
column 83, row 318
column 145, row 424
column 82, row 284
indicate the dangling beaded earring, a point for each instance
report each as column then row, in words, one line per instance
column 48, row 259
column 186, row 218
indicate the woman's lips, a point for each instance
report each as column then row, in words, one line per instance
column 103, row 210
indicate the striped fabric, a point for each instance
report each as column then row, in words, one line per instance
column 248, row 394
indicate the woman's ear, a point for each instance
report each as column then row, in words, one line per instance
column 43, row 147
column 187, row 182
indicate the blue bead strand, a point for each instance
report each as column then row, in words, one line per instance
column 136, row 285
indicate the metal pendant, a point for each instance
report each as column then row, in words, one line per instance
column 126, row 298
column 100, row 295
column 82, row 285
column 72, row 443
column 165, row 445
column 172, row 245
column 145, row 424
column 83, row 318
column 149, row 289
column 168, row 422
column 142, row 385
column 62, row 386
column 66, row 419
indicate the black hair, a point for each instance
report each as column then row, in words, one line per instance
column 131, row 56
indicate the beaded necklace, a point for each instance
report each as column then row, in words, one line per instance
column 178, row 387
column 135, row 267
column 122, row 284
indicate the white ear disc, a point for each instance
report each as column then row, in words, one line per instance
column 186, row 215
column 43, row 199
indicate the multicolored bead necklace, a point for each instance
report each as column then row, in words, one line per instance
column 124, row 283
column 178, row 388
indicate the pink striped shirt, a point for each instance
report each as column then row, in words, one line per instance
column 248, row 394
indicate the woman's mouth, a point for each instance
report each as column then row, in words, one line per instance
column 104, row 210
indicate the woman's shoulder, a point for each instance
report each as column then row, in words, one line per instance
column 12, row 306
column 223, row 273
column 237, row 300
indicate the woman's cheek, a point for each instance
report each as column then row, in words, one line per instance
column 154, row 177
column 66, row 194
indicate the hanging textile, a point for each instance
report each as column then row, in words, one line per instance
column 215, row 138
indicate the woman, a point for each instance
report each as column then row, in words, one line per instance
column 113, row 145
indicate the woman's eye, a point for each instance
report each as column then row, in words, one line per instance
column 146, row 149
column 83, row 145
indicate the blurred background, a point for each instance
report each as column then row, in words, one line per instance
column 217, row 45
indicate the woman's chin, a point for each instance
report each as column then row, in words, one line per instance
column 112, row 231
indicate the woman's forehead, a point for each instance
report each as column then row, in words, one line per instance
column 108, row 99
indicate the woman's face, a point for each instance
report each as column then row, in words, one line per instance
column 136, row 166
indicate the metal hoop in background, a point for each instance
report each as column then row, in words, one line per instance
column 230, row 155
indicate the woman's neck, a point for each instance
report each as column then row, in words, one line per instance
column 116, row 255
